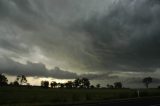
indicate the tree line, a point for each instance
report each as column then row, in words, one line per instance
column 77, row 83
column 20, row 80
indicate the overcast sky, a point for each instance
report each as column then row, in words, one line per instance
column 107, row 40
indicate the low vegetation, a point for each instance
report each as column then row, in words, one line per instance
column 21, row 93
column 36, row 95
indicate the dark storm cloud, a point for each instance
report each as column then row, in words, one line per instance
column 45, row 25
column 82, row 36
column 32, row 15
column 103, row 76
column 12, row 46
column 11, row 67
column 128, row 37
column 20, row 13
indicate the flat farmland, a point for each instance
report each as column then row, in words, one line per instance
column 19, row 96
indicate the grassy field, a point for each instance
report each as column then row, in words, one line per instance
column 37, row 96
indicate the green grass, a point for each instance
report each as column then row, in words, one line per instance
column 55, row 96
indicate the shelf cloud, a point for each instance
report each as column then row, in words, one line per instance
column 87, row 36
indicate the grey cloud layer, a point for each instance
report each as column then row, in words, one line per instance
column 45, row 24
column 127, row 38
column 86, row 35
column 11, row 67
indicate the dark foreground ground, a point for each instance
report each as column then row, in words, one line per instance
column 143, row 101
column 18, row 96
column 146, row 101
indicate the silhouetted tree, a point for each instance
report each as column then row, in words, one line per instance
column 77, row 83
column 58, row 85
column 44, row 84
column 3, row 80
column 28, row 84
column 118, row 85
column 53, row 84
column 147, row 81
column 81, row 83
column 98, row 86
column 69, row 84
column 110, row 86
column 11, row 84
column 61, row 85
column 85, row 82
column 21, row 79
column 15, row 83
column 92, row 86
